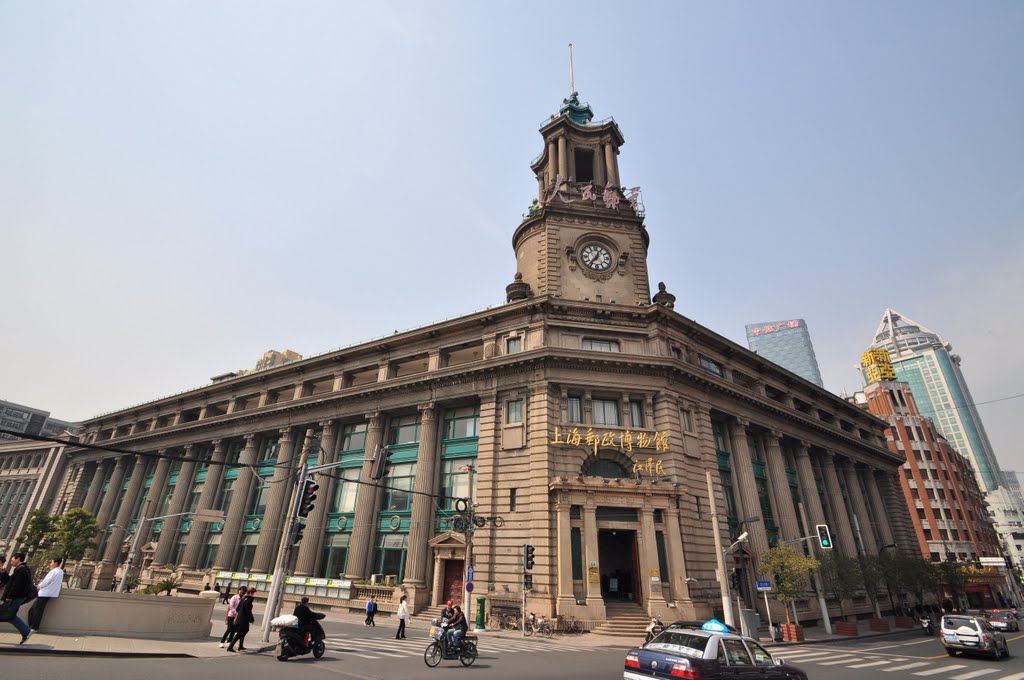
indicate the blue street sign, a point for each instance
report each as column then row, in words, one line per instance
column 469, row 586
column 469, row 574
column 764, row 586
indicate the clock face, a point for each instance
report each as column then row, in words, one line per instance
column 596, row 257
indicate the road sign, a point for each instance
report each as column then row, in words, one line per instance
column 469, row 574
column 764, row 586
column 469, row 587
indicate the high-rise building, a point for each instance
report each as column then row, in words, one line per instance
column 787, row 343
column 926, row 362
column 15, row 418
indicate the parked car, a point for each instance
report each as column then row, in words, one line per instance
column 1003, row 620
column 972, row 635
column 683, row 652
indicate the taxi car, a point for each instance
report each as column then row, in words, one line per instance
column 705, row 654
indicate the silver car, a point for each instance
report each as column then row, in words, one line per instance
column 972, row 635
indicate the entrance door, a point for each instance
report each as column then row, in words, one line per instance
column 618, row 559
column 453, row 583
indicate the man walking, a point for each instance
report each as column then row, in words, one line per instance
column 19, row 589
column 49, row 588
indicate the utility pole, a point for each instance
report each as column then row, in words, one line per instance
column 134, row 548
column 723, row 579
column 816, row 578
column 470, row 528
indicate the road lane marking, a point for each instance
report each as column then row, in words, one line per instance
column 975, row 674
column 834, row 662
column 806, row 655
column 1015, row 676
column 941, row 669
column 904, row 667
column 872, row 663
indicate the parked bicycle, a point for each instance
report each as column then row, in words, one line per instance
column 537, row 624
column 512, row 622
column 569, row 624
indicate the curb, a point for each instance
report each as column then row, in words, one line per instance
column 85, row 652
column 819, row 641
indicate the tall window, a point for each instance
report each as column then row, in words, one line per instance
column 514, row 412
column 404, row 430
column 335, row 555
column 259, row 497
column 636, row 413
column 353, row 437
column 398, row 496
column 514, row 345
column 512, row 500
column 606, row 411
column 575, row 410
column 455, row 482
column 224, row 502
column 235, row 451
column 193, row 498
column 391, row 555
column 462, row 422
column 345, row 491
column 600, row 345
column 687, row 419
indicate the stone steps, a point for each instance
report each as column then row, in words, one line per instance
column 624, row 620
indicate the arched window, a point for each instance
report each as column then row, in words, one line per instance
column 602, row 467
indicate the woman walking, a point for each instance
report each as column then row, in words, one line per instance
column 242, row 621
column 403, row 614
column 232, row 613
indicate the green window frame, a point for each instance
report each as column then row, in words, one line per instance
column 404, row 430
column 397, row 497
column 346, row 489
column 576, row 545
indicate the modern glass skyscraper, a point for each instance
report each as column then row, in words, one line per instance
column 926, row 361
column 787, row 343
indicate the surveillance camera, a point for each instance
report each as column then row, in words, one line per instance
column 742, row 537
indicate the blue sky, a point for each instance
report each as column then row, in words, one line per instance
column 186, row 185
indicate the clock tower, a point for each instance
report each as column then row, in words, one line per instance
column 584, row 236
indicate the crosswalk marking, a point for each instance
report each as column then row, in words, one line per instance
column 941, row 669
column 806, row 656
column 975, row 674
column 904, row 667
column 836, row 660
column 871, row 663
column 376, row 648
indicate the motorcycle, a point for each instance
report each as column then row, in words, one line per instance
column 437, row 651
column 296, row 641
column 927, row 627
column 537, row 624
column 653, row 628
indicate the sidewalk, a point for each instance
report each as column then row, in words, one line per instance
column 817, row 635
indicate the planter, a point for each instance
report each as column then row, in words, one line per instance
column 879, row 625
column 844, row 628
column 903, row 622
column 792, row 632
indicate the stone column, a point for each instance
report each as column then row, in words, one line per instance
column 841, row 528
column 649, row 561
column 860, row 508
column 235, row 519
column 808, row 487
column 676, row 558
column 207, row 498
column 92, row 497
column 611, row 165
column 112, row 550
column 785, row 513
column 182, row 491
column 422, row 522
column 552, row 164
column 566, row 595
column 590, row 554
column 107, row 506
column 364, row 531
column 281, row 487
column 878, row 508
column 156, row 492
column 746, row 487
column 563, row 160
column 309, row 550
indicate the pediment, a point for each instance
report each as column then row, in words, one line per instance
column 448, row 540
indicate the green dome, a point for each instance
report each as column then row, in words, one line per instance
column 581, row 114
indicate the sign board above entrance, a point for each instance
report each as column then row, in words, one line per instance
column 626, row 440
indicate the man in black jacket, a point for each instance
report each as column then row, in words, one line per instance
column 308, row 620
column 19, row 589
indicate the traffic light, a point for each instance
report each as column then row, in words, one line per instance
column 824, row 538
column 299, row 528
column 528, row 552
column 380, row 464
column 308, row 496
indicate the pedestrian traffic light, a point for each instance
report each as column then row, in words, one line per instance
column 299, row 528
column 308, row 496
column 528, row 552
column 380, row 464
column 824, row 538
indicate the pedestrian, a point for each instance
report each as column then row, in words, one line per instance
column 19, row 590
column 229, row 619
column 49, row 588
column 369, row 611
column 242, row 621
column 226, row 595
column 206, row 587
column 373, row 611
column 403, row 614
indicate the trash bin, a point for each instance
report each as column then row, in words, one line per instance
column 480, row 602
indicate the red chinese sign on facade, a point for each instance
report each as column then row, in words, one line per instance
column 774, row 327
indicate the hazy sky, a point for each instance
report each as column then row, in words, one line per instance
column 186, row 185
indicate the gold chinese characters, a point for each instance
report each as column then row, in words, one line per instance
column 627, row 439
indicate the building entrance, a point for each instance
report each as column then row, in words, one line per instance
column 618, row 559
column 453, row 583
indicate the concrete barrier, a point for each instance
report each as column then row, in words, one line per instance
column 129, row 615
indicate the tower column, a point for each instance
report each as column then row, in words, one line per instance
column 365, row 530
column 566, row 596
column 552, row 167
column 422, row 525
column 785, row 513
column 207, row 498
column 280, row 490
column 92, row 497
column 676, row 557
column 309, row 551
column 743, row 472
column 842, row 529
column 112, row 549
column 611, row 165
column 107, row 506
column 860, row 509
column 563, row 160
column 878, row 507
column 156, row 492
column 808, row 487
column 182, row 490
column 235, row 519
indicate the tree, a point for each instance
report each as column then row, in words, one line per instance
column 893, row 572
column 73, row 533
column 36, row 538
column 842, row 577
column 871, row 577
column 954, row 575
column 789, row 570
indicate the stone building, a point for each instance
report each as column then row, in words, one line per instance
column 587, row 410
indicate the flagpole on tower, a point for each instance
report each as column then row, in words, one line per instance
column 572, row 82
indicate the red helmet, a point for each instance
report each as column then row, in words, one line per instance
column 450, row 603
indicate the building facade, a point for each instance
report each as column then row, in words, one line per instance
column 927, row 364
column 17, row 420
column 949, row 512
column 787, row 343
column 32, row 475
column 582, row 417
